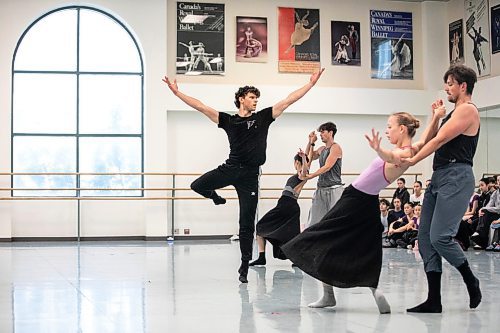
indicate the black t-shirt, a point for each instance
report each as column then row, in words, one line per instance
column 247, row 136
column 394, row 216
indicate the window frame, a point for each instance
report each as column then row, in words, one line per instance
column 77, row 135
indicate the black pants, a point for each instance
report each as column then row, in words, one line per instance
column 465, row 230
column 245, row 180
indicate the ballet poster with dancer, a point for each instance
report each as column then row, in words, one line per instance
column 346, row 43
column 477, row 55
column 200, row 38
column 391, row 45
column 251, row 39
column 456, row 42
column 299, row 40
column 495, row 29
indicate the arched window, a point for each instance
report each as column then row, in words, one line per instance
column 77, row 104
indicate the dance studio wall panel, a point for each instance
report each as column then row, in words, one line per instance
column 178, row 139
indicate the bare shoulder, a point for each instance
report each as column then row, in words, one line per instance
column 404, row 153
column 469, row 114
column 337, row 149
column 466, row 109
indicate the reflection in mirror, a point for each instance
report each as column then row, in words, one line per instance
column 487, row 159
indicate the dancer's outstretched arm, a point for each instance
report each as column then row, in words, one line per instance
column 279, row 107
column 390, row 156
column 196, row 104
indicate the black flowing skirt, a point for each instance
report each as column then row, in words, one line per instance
column 280, row 224
column 344, row 249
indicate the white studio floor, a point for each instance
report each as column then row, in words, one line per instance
column 192, row 286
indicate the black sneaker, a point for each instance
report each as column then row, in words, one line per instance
column 401, row 243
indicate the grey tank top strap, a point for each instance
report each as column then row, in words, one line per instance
column 333, row 176
column 291, row 183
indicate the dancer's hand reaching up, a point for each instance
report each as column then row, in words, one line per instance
column 374, row 140
column 438, row 108
column 171, row 85
column 315, row 76
column 312, row 137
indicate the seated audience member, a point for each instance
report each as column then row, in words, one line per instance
column 487, row 215
column 402, row 230
column 401, row 193
column 468, row 224
column 396, row 213
column 413, row 241
column 495, row 242
column 418, row 195
column 384, row 215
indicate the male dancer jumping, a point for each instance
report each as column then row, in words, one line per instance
column 452, row 183
column 247, row 135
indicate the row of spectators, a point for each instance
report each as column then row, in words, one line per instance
column 482, row 219
column 401, row 216
column 480, row 225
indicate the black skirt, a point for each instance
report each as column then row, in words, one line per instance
column 280, row 224
column 344, row 249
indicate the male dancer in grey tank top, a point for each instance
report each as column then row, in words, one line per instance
column 329, row 186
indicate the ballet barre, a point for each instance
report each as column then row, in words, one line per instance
column 172, row 198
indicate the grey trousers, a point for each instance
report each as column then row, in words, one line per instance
column 324, row 199
column 445, row 203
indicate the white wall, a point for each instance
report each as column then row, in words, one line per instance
column 147, row 21
column 178, row 139
column 286, row 135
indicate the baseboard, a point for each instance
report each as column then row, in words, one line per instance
column 114, row 238
column 203, row 237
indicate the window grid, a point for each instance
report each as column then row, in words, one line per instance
column 77, row 134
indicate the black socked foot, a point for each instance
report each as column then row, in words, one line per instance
column 474, row 294
column 243, row 271
column 259, row 262
column 218, row 200
column 426, row 307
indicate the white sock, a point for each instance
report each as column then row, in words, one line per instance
column 328, row 298
column 382, row 304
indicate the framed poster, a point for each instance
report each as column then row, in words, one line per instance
column 200, row 38
column 346, row 43
column 495, row 29
column 391, row 45
column 251, row 39
column 456, row 42
column 299, row 40
column 477, row 55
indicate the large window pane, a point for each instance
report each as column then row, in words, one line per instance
column 110, row 155
column 110, row 104
column 44, row 154
column 44, row 103
column 50, row 44
column 105, row 46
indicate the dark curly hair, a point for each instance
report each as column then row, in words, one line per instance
column 329, row 127
column 242, row 92
column 461, row 74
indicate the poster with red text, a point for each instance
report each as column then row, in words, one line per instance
column 299, row 40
